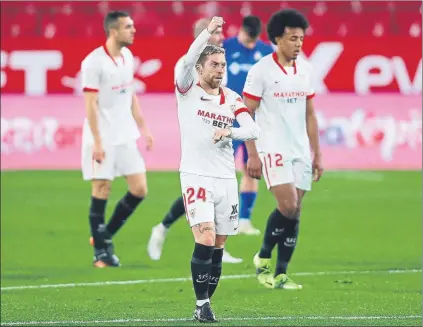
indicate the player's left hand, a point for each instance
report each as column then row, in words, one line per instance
column 220, row 133
column 317, row 168
column 149, row 139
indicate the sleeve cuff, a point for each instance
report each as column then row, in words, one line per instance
column 89, row 89
column 253, row 97
column 241, row 110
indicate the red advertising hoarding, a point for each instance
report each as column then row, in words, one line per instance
column 360, row 65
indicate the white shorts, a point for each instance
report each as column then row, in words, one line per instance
column 120, row 160
column 210, row 199
column 277, row 171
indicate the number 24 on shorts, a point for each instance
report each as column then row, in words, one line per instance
column 191, row 194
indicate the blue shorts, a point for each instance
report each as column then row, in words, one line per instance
column 237, row 144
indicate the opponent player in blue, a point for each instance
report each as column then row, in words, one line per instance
column 242, row 52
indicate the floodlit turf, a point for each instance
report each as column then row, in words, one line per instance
column 355, row 228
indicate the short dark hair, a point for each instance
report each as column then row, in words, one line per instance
column 252, row 25
column 282, row 19
column 112, row 18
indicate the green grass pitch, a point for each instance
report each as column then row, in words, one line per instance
column 358, row 256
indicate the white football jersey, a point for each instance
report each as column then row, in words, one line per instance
column 113, row 79
column 281, row 115
column 199, row 115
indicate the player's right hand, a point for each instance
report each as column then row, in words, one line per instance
column 98, row 153
column 254, row 167
column 317, row 168
column 215, row 23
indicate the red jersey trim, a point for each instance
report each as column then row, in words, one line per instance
column 108, row 53
column 222, row 96
column 252, row 97
column 275, row 58
column 241, row 110
column 88, row 89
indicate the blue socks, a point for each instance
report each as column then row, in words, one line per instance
column 247, row 200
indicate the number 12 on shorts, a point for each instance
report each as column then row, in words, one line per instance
column 273, row 160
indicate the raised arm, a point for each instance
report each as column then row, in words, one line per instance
column 184, row 77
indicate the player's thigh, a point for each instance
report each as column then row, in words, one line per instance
column 303, row 174
column 197, row 192
column 287, row 199
column 92, row 170
column 300, row 197
column 227, row 207
column 279, row 177
column 204, row 233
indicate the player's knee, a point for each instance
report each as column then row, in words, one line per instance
column 139, row 190
column 220, row 241
column 207, row 239
column 288, row 208
column 101, row 189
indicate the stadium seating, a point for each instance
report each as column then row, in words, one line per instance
column 52, row 19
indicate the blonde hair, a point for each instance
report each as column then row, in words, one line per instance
column 208, row 51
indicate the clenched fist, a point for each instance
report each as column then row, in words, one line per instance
column 215, row 23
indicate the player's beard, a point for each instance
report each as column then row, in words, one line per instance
column 213, row 83
column 125, row 43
